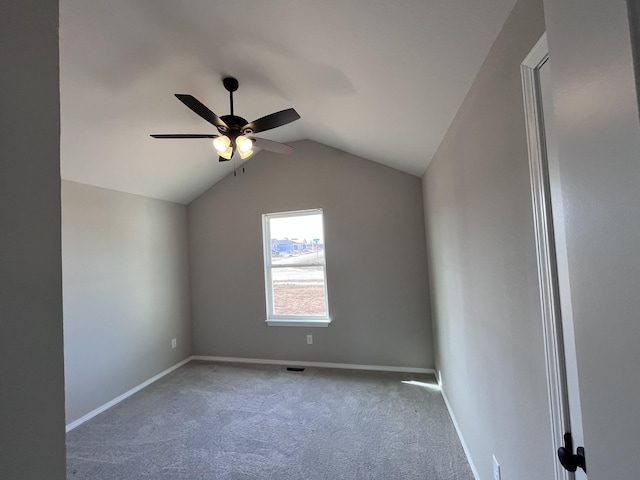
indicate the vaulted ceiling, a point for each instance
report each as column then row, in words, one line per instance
column 380, row 79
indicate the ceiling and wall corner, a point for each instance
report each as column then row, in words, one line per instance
column 381, row 80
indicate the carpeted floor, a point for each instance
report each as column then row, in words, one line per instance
column 219, row 421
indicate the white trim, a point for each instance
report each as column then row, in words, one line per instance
column 538, row 54
column 346, row 366
column 272, row 318
column 459, row 432
column 545, row 249
column 297, row 323
column 126, row 394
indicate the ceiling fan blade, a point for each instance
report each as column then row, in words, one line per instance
column 222, row 159
column 272, row 121
column 194, row 104
column 182, row 135
column 272, row 146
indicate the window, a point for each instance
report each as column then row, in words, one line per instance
column 294, row 269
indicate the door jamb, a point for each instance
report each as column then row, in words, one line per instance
column 545, row 249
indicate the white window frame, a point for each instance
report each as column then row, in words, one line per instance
column 291, row 320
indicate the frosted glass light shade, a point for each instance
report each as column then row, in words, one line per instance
column 245, row 146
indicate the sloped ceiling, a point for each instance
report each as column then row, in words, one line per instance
column 379, row 79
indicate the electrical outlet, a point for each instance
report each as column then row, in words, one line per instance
column 496, row 469
column 309, row 339
column 174, row 342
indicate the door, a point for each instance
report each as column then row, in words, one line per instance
column 560, row 352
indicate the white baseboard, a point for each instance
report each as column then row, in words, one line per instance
column 457, row 427
column 126, row 394
column 137, row 388
column 292, row 363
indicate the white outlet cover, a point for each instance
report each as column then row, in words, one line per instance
column 496, row 469
column 309, row 339
column 174, row 343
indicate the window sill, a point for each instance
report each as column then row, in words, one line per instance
column 297, row 323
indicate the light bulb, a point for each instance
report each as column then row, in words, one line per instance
column 223, row 146
column 221, row 143
column 244, row 144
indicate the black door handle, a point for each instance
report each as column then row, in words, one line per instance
column 569, row 460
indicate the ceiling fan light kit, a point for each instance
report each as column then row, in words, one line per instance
column 235, row 132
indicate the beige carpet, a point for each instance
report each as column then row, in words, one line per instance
column 229, row 421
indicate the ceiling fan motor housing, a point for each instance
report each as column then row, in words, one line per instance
column 235, row 125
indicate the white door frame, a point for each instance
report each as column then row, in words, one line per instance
column 545, row 247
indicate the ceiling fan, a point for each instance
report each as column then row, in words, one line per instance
column 235, row 132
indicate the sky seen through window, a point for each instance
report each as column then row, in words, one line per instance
column 307, row 227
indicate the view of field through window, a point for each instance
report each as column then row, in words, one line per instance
column 297, row 265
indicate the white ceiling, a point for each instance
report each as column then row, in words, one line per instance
column 380, row 79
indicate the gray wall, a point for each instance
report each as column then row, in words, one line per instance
column 596, row 115
column 31, row 359
column 483, row 271
column 376, row 261
column 126, row 292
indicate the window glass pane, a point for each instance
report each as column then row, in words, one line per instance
column 313, row 255
column 299, row 237
column 298, row 291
